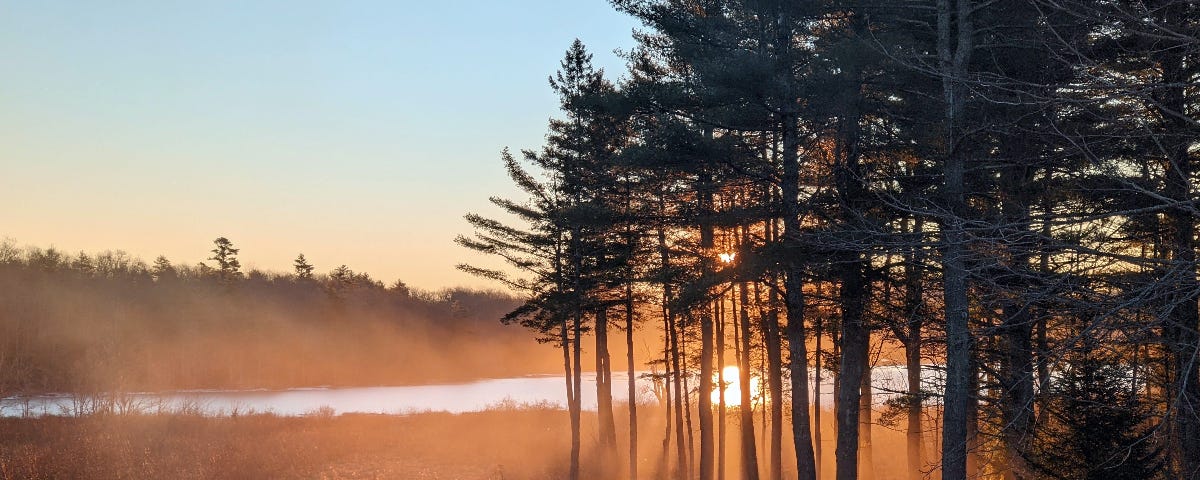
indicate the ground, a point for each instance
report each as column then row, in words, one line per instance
column 489, row 445
column 509, row 442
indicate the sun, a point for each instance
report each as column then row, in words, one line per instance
column 733, row 391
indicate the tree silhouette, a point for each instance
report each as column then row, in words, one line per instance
column 163, row 270
column 303, row 269
column 228, row 266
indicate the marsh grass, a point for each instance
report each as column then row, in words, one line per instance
column 513, row 443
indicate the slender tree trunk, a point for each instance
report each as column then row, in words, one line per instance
column 866, row 450
column 577, row 384
column 1185, row 351
column 789, row 124
column 774, row 398
column 763, row 440
column 749, row 450
column 682, row 465
column 721, row 406
column 687, row 401
column 569, row 376
column 835, row 335
column 1182, row 335
column 974, row 466
column 704, row 188
column 854, row 344
column 806, row 466
column 855, row 337
column 913, row 436
column 914, row 313
column 1043, row 343
column 681, row 460
column 631, row 382
column 1016, row 372
column 853, row 201
column 954, row 433
column 665, row 461
column 705, row 400
column 819, row 333
column 1182, row 330
column 604, row 399
column 953, row 52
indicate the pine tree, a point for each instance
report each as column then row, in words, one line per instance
column 163, row 270
column 304, row 270
column 573, row 245
column 536, row 250
column 1101, row 429
column 228, row 266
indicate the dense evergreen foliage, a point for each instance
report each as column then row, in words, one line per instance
column 1004, row 190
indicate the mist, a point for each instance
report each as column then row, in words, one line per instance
column 119, row 326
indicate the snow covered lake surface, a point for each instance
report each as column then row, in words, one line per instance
column 543, row 390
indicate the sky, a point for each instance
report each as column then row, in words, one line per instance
column 357, row 132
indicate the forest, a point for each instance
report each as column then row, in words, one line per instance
column 110, row 323
column 998, row 195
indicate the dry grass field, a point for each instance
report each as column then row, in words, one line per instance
column 512, row 444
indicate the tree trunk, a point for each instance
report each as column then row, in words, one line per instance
column 914, row 318
column 866, row 450
column 816, row 421
column 1016, row 372
column 953, row 52
column 974, row 466
column 631, row 382
column 704, row 398
column 665, row 458
column 721, row 406
column 1182, row 330
column 673, row 349
column 569, row 376
column 789, row 126
column 687, row 401
column 1182, row 333
column 774, row 395
column 912, row 355
column 749, row 450
column 835, row 335
column 576, row 400
column 855, row 338
column 806, row 466
column 604, row 400
column 680, row 447
column 1042, row 362
column 852, row 270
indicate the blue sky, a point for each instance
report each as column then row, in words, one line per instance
column 357, row 132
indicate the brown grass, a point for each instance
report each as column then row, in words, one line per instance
column 509, row 442
column 513, row 444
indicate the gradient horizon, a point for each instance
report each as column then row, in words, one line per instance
column 357, row 132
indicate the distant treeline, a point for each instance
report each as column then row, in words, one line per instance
column 110, row 321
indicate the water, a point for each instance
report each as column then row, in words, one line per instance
column 542, row 390
column 545, row 390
